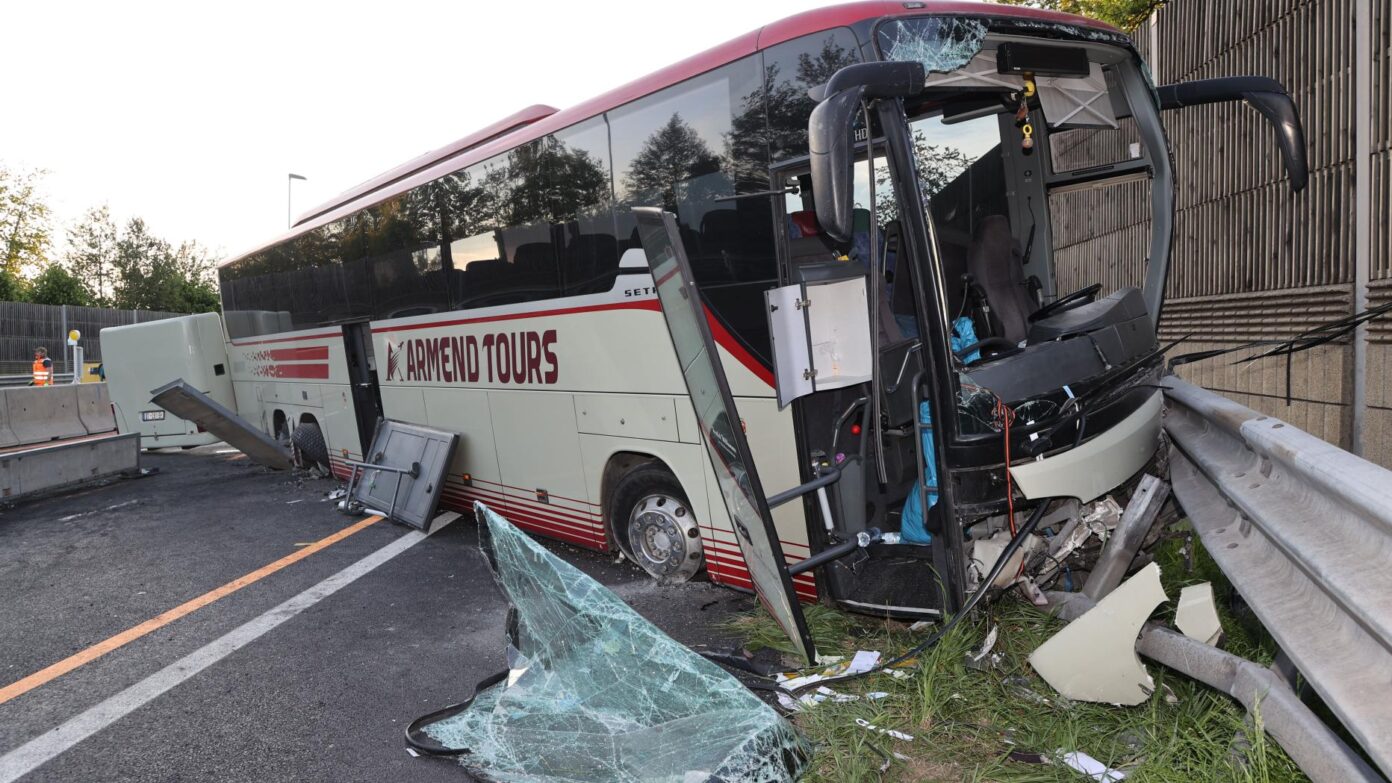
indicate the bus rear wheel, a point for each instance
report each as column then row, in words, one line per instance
column 308, row 441
column 654, row 524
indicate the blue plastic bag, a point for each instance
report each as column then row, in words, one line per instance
column 911, row 522
column 964, row 334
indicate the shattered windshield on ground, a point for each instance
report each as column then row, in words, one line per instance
column 941, row 43
column 597, row 693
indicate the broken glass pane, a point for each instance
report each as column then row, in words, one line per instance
column 941, row 43
column 597, row 693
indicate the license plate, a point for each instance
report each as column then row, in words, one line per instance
column 152, row 415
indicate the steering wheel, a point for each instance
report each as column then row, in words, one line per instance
column 1075, row 299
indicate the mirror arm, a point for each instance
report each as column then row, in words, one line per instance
column 1265, row 95
column 788, row 191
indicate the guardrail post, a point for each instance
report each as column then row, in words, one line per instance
column 1136, row 521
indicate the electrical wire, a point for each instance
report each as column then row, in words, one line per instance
column 1006, row 416
column 1005, row 555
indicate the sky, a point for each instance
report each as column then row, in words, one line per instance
column 191, row 115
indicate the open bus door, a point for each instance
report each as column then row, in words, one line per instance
column 362, row 381
column 722, row 432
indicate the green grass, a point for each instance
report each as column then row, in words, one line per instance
column 965, row 721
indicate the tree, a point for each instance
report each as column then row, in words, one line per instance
column 91, row 254
column 13, row 288
column 1124, row 14
column 672, row 155
column 153, row 275
column 57, row 286
column 25, row 222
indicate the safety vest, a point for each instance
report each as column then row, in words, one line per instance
column 43, row 376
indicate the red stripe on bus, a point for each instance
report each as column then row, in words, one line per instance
column 729, row 343
column 320, row 336
column 316, row 372
column 526, row 522
column 718, row 331
column 640, row 304
column 524, row 489
column 300, row 354
column 511, row 507
column 731, row 555
column 488, row 495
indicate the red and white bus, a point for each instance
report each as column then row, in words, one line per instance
column 498, row 288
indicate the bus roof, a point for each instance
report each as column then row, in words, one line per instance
column 539, row 120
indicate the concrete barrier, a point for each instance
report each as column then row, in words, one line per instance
column 7, row 436
column 39, row 414
column 62, row 465
column 94, row 408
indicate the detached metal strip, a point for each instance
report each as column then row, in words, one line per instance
column 1304, row 531
column 1312, row 745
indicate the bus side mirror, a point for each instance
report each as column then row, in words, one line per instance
column 1266, row 96
column 831, row 145
column 831, row 134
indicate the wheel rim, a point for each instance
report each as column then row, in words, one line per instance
column 663, row 535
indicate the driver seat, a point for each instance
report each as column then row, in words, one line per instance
column 995, row 265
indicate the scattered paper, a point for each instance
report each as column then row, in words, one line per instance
column 868, row 726
column 983, row 659
column 864, row 661
column 822, row 694
column 1092, row 767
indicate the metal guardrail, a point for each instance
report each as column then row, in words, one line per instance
column 59, row 379
column 1303, row 529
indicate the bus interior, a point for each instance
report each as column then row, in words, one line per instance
column 1035, row 372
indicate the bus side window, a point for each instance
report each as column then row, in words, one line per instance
column 684, row 149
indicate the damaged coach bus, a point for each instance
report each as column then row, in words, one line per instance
column 842, row 223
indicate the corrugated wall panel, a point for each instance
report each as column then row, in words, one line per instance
column 1251, row 260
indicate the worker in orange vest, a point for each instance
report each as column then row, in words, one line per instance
column 43, row 368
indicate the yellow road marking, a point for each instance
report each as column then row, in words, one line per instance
column 54, row 671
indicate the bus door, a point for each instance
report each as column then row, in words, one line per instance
column 720, row 425
column 362, row 379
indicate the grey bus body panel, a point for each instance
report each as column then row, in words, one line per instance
column 1098, row 466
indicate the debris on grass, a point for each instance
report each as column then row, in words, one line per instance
column 1094, row 657
column 970, row 726
column 1196, row 616
column 868, row 726
column 1092, row 767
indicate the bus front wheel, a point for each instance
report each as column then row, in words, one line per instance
column 654, row 524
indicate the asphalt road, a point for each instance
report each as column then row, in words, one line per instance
column 324, row 696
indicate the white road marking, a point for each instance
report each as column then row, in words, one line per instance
column 38, row 751
column 111, row 507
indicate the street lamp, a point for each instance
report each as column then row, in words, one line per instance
column 289, row 183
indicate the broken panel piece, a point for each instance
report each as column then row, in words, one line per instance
column 1196, row 616
column 1094, row 657
column 596, row 692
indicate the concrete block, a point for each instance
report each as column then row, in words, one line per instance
column 7, row 436
column 39, row 414
column 94, row 408
column 47, row 468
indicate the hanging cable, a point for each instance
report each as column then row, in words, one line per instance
column 1005, row 416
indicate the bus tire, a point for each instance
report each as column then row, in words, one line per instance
column 308, row 441
column 654, row 524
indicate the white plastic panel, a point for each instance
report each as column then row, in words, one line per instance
column 839, row 319
column 792, row 364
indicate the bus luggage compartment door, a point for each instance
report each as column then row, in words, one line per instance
column 720, row 425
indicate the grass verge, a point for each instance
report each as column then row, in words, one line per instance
column 966, row 722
